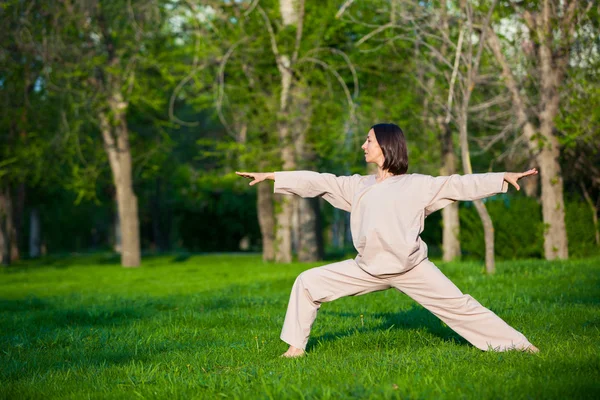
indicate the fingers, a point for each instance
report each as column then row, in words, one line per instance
column 248, row 175
column 532, row 171
column 520, row 175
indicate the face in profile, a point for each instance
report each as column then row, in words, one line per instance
column 386, row 147
column 373, row 153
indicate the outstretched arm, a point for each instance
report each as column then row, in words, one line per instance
column 444, row 190
column 337, row 190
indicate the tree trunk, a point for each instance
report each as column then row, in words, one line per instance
column 337, row 230
column 116, row 144
column 594, row 211
column 159, row 226
column 117, row 245
column 283, row 242
column 531, row 185
column 296, row 224
column 488, row 232
column 311, row 237
column 309, row 246
column 450, row 217
column 488, row 227
column 35, row 241
column 128, row 215
column 266, row 220
column 553, row 205
column 17, row 210
column 6, row 222
column 450, row 232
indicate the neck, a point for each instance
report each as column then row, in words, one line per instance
column 382, row 173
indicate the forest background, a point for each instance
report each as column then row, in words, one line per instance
column 122, row 122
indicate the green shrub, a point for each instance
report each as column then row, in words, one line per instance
column 580, row 230
column 518, row 228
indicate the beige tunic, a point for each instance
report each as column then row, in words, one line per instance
column 388, row 217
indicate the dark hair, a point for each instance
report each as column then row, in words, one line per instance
column 393, row 145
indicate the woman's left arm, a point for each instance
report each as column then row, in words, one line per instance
column 444, row 190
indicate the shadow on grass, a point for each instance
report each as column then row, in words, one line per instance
column 412, row 319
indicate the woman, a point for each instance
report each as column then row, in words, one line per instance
column 387, row 216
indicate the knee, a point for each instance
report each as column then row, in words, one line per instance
column 305, row 284
column 306, row 278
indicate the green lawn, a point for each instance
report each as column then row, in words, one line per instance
column 208, row 327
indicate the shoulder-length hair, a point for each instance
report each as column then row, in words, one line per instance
column 393, row 145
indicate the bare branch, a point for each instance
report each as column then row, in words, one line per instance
column 271, row 33
column 251, row 8
column 221, row 87
column 495, row 139
column 198, row 34
column 482, row 38
column 434, row 51
column 350, row 18
column 139, row 32
column 172, row 115
column 507, row 73
column 338, row 77
column 434, row 96
column 348, row 62
column 500, row 99
column 373, row 33
column 344, row 6
column 298, row 31
column 529, row 20
column 453, row 78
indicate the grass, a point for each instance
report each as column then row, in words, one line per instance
column 208, row 327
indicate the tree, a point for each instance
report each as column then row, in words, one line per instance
column 28, row 117
column 96, row 52
column 268, row 81
column 549, row 31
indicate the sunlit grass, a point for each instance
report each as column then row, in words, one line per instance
column 208, row 326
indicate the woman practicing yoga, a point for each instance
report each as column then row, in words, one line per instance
column 387, row 214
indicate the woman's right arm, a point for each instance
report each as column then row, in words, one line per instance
column 336, row 190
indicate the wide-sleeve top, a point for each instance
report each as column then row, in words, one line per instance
column 387, row 218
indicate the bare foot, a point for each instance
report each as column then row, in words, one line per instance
column 293, row 352
column 532, row 349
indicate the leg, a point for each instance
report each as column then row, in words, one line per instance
column 320, row 285
column 428, row 286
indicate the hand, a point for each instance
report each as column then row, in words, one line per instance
column 513, row 177
column 257, row 176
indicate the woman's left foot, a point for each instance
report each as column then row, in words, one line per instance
column 293, row 352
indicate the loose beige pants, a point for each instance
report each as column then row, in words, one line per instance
column 425, row 284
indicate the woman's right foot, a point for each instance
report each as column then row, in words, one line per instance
column 293, row 352
column 532, row 349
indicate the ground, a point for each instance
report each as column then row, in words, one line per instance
column 207, row 326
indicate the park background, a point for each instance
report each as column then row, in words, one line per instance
column 123, row 123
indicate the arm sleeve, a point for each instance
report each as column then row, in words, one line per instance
column 444, row 190
column 337, row 190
